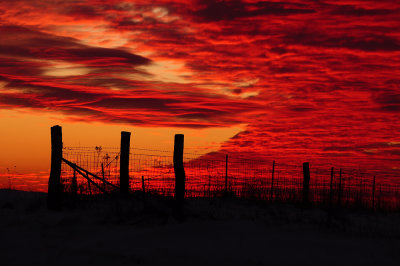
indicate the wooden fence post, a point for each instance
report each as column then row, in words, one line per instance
column 143, row 186
column 373, row 194
column 331, row 188
column 103, row 175
column 143, row 189
column 54, row 194
column 306, row 182
column 124, row 162
column 340, row 188
column 272, row 180
column 330, row 210
column 226, row 174
column 179, row 174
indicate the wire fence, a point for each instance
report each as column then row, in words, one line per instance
column 214, row 175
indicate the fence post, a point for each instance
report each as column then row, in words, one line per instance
column 373, row 194
column 124, row 162
column 226, row 174
column 331, row 188
column 143, row 186
column 179, row 174
column 306, row 182
column 360, row 189
column 103, row 175
column 272, row 180
column 330, row 212
column 340, row 188
column 143, row 189
column 54, row 194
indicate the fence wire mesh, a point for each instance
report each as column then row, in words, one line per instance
column 214, row 175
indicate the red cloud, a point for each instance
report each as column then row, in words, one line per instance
column 305, row 76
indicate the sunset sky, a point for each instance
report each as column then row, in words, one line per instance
column 298, row 80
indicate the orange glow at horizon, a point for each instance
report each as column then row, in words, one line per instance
column 25, row 140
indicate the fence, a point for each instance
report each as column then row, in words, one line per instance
column 216, row 174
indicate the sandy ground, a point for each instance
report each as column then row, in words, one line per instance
column 215, row 232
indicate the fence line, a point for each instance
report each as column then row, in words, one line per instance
column 86, row 170
column 206, row 177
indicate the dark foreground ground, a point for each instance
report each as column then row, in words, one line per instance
column 215, row 232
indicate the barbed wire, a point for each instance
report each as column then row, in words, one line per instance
column 210, row 175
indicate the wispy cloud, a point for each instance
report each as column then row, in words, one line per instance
column 306, row 76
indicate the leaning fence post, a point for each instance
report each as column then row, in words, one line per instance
column 124, row 162
column 54, row 194
column 179, row 173
column 306, row 181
